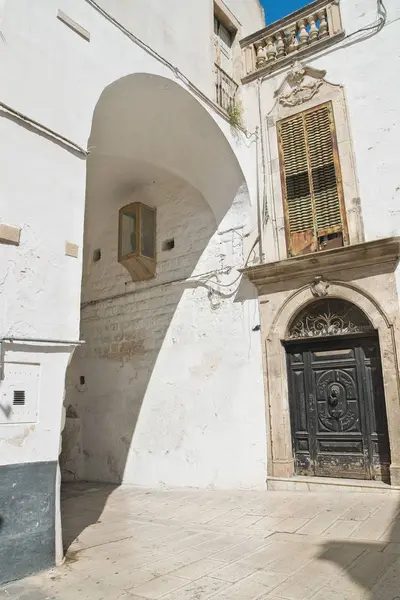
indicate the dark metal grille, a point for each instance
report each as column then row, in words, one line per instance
column 19, row 398
column 225, row 88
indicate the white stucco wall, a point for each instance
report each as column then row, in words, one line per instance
column 40, row 285
column 56, row 77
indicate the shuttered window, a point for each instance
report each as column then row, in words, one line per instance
column 311, row 180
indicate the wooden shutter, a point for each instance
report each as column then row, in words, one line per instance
column 311, row 181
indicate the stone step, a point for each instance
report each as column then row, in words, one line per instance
column 301, row 483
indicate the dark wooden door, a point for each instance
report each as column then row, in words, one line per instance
column 337, row 406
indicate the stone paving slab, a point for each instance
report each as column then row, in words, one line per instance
column 135, row 544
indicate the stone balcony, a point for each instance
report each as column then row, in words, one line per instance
column 302, row 33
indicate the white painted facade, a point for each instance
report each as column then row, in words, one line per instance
column 168, row 388
column 41, row 285
column 364, row 67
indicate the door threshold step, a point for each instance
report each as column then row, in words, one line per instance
column 301, row 483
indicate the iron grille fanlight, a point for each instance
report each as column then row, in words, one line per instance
column 329, row 317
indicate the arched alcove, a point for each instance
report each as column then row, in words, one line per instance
column 149, row 387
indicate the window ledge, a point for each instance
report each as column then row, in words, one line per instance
column 347, row 263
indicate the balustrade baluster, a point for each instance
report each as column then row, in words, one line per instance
column 271, row 50
column 291, row 39
column 261, row 55
column 303, row 33
column 323, row 26
column 280, row 45
column 313, row 33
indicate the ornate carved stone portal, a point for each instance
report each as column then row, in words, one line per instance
column 339, row 325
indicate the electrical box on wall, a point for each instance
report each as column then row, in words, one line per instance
column 19, row 393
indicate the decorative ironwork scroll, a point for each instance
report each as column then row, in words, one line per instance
column 329, row 317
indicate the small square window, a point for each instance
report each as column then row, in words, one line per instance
column 96, row 255
column 168, row 245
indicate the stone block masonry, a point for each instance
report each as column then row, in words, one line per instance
column 168, row 362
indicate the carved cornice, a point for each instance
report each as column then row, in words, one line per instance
column 345, row 264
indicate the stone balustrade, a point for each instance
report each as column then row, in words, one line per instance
column 301, row 33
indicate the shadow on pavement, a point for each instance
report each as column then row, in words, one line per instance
column 370, row 569
column 82, row 505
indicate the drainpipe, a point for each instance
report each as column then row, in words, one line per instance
column 265, row 214
column 259, row 204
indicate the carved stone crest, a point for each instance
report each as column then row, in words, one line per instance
column 300, row 85
column 319, row 287
column 296, row 73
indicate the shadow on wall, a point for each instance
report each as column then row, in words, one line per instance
column 370, row 569
column 120, row 384
column 110, row 377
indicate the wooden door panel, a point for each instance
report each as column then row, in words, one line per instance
column 299, row 415
column 337, row 400
column 347, row 466
column 380, row 449
column 338, row 415
column 340, row 448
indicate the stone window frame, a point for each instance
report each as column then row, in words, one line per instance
column 291, row 99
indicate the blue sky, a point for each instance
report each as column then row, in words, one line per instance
column 276, row 9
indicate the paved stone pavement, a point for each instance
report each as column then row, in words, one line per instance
column 135, row 544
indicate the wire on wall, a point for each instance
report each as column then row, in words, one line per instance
column 178, row 74
column 72, row 146
column 24, row 119
column 377, row 25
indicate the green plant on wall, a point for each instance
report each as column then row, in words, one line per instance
column 235, row 114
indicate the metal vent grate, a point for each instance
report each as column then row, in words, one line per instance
column 19, row 398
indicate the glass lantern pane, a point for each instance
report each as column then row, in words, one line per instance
column 148, row 232
column 128, row 232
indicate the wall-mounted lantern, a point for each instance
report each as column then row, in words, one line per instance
column 137, row 240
